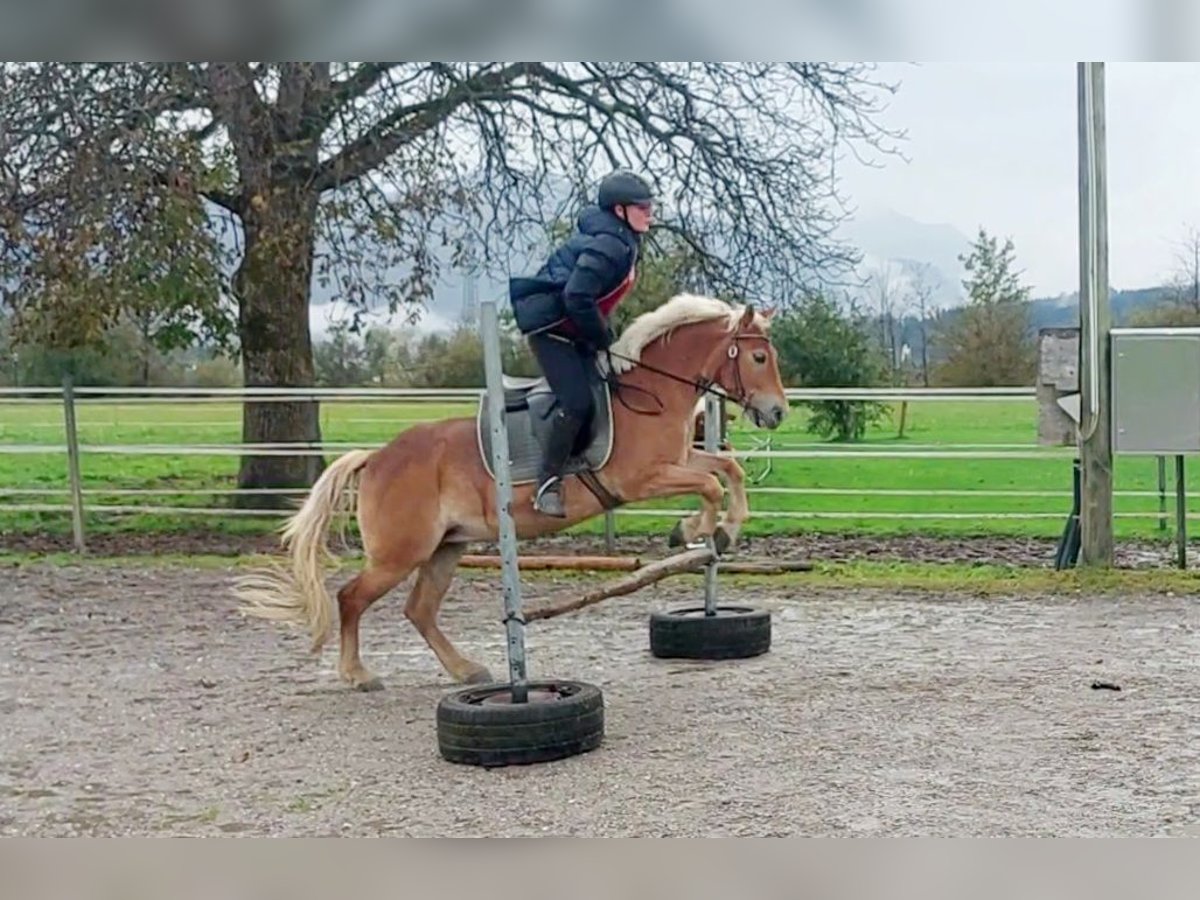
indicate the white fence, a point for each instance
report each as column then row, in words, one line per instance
column 759, row 457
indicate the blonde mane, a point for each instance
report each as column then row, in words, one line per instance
column 682, row 309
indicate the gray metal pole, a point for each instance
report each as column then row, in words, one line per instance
column 610, row 532
column 1162, row 493
column 514, row 623
column 1096, row 522
column 714, row 414
column 1180, row 512
column 73, row 462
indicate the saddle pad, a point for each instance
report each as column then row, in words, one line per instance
column 528, row 426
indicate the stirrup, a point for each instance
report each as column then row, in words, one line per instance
column 549, row 500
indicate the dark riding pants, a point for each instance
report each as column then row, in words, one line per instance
column 569, row 369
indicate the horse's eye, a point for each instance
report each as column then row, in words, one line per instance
column 760, row 357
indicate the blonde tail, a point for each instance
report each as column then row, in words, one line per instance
column 297, row 594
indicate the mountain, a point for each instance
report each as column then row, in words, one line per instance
column 1063, row 312
column 1044, row 312
column 883, row 237
column 886, row 236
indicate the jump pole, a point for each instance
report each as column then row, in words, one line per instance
column 710, row 631
column 514, row 623
column 714, row 417
column 517, row 722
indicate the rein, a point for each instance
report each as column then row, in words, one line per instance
column 702, row 385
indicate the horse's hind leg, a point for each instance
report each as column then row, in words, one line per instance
column 353, row 600
column 424, row 602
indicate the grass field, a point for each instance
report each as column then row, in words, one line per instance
column 861, row 489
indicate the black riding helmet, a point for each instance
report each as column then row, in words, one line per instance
column 623, row 188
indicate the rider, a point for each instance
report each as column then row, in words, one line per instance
column 564, row 309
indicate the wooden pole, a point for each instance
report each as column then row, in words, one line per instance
column 1095, row 448
column 566, row 563
column 72, row 437
column 679, row 564
column 748, row 566
column 687, row 561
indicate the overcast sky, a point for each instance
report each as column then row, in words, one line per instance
column 995, row 145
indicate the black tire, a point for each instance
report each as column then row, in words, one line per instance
column 481, row 726
column 735, row 632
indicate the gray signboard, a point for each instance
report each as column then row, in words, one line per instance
column 1156, row 390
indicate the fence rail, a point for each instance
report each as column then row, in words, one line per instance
column 438, row 395
column 73, row 450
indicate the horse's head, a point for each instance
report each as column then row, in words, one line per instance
column 714, row 345
column 750, row 372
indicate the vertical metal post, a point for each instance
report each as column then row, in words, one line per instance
column 1094, row 323
column 73, row 462
column 610, row 532
column 1180, row 512
column 714, row 415
column 514, row 623
column 1162, row 493
column 1068, row 545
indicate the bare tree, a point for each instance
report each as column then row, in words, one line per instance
column 888, row 300
column 920, row 289
column 1179, row 305
column 1186, row 280
column 265, row 178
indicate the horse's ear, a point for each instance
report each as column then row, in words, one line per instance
column 768, row 313
column 747, row 316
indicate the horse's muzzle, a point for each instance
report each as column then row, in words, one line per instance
column 773, row 417
column 768, row 416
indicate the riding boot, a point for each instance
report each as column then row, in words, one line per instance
column 564, row 427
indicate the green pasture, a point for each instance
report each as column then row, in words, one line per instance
column 862, row 490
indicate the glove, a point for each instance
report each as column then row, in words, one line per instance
column 607, row 338
column 595, row 344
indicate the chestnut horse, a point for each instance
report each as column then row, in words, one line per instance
column 424, row 496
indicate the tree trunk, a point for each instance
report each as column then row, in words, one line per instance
column 273, row 285
column 924, row 351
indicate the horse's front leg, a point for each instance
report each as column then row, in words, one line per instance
column 730, row 526
column 674, row 480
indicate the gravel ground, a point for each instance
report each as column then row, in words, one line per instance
column 136, row 701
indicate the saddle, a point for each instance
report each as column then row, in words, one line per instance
column 528, row 403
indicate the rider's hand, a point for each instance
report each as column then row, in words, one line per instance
column 607, row 339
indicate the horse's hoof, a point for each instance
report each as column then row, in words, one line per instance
column 676, row 537
column 479, row 676
column 721, row 540
column 371, row 684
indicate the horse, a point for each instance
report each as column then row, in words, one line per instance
column 423, row 497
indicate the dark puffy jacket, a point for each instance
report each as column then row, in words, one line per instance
column 587, row 266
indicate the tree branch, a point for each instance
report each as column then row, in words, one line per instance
column 406, row 124
column 357, row 84
column 246, row 118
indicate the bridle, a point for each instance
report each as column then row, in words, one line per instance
column 702, row 385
